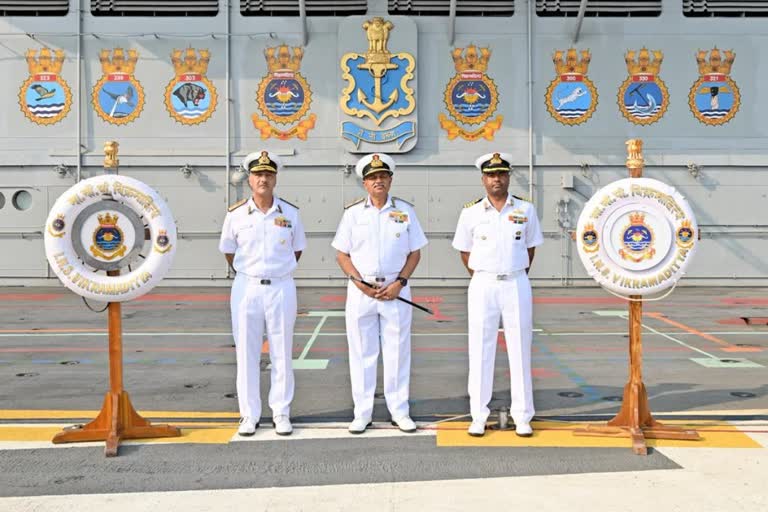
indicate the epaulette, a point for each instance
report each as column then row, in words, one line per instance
column 353, row 203
column 237, row 205
column 522, row 198
column 403, row 200
column 289, row 204
column 472, row 203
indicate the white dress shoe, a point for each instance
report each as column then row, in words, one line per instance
column 523, row 429
column 359, row 425
column 283, row 425
column 477, row 428
column 405, row 424
column 248, row 426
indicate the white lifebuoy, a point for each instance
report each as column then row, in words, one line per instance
column 108, row 215
column 637, row 236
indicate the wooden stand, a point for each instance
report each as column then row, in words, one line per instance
column 118, row 419
column 634, row 420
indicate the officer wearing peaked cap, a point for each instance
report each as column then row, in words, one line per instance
column 262, row 240
column 378, row 241
column 497, row 236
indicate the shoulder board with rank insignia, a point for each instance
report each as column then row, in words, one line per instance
column 289, row 204
column 522, row 198
column 472, row 203
column 237, row 205
column 353, row 203
column 402, row 200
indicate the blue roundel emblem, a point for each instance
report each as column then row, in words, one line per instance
column 283, row 97
column 108, row 238
column 471, row 98
column 637, row 238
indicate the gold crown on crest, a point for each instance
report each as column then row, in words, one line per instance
column 189, row 63
column 46, row 63
column 716, row 64
column 636, row 218
column 108, row 219
column 571, row 64
column 117, row 63
column 644, row 63
column 686, row 224
column 589, row 227
column 471, row 59
column 264, row 158
column 280, row 58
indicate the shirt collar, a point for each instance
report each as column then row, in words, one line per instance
column 253, row 208
column 487, row 202
column 390, row 202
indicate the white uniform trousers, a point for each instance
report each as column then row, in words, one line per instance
column 254, row 306
column 369, row 320
column 488, row 299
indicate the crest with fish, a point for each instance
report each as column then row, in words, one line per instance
column 118, row 98
column 44, row 97
column 190, row 97
column 571, row 97
column 643, row 97
column 471, row 96
column 284, row 96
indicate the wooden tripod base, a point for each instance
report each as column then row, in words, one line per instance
column 634, row 421
column 117, row 420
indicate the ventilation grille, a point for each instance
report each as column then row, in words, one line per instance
column 36, row 8
column 314, row 7
column 154, row 8
column 725, row 8
column 442, row 7
column 599, row 8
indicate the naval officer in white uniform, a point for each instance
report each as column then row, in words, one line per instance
column 497, row 236
column 378, row 241
column 262, row 240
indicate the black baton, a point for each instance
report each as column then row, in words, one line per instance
column 417, row 306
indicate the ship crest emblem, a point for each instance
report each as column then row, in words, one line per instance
column 643, row 97
column 284, row 96
column 571, row 97
column 190, row 97
column 56, row 228
column 589, row 239
column 684, row 235
column 637, row 239
column 714, row 98
column 45, row 98
column 162, row 242
column 377, row 88
column 108, row 238
column 471, row 96
column 118, row 98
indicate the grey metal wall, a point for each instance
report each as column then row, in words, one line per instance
column 728, row 195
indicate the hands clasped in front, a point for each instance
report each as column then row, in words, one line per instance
column 389, row 292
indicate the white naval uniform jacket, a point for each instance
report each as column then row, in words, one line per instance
column 379, row 241
column 263, row 243
column 498, row 242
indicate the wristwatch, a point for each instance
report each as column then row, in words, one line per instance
column 403, row 281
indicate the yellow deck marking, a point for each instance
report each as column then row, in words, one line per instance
column 40, row 414
column 212, row 435
column 557, row 434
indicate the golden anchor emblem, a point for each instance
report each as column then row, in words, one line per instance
column 378, row 61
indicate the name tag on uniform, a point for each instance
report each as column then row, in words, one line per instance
column 518, row 219
column 283, row 222
column 398, row 217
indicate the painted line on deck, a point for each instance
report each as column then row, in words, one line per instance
column 727, row 347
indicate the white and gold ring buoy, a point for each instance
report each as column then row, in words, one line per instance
column 110, row 223
column 636, row 236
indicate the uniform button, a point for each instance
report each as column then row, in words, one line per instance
column 397, row 235
column 482, row 237
column 282, row 242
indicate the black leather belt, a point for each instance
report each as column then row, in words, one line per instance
column 265, row 281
